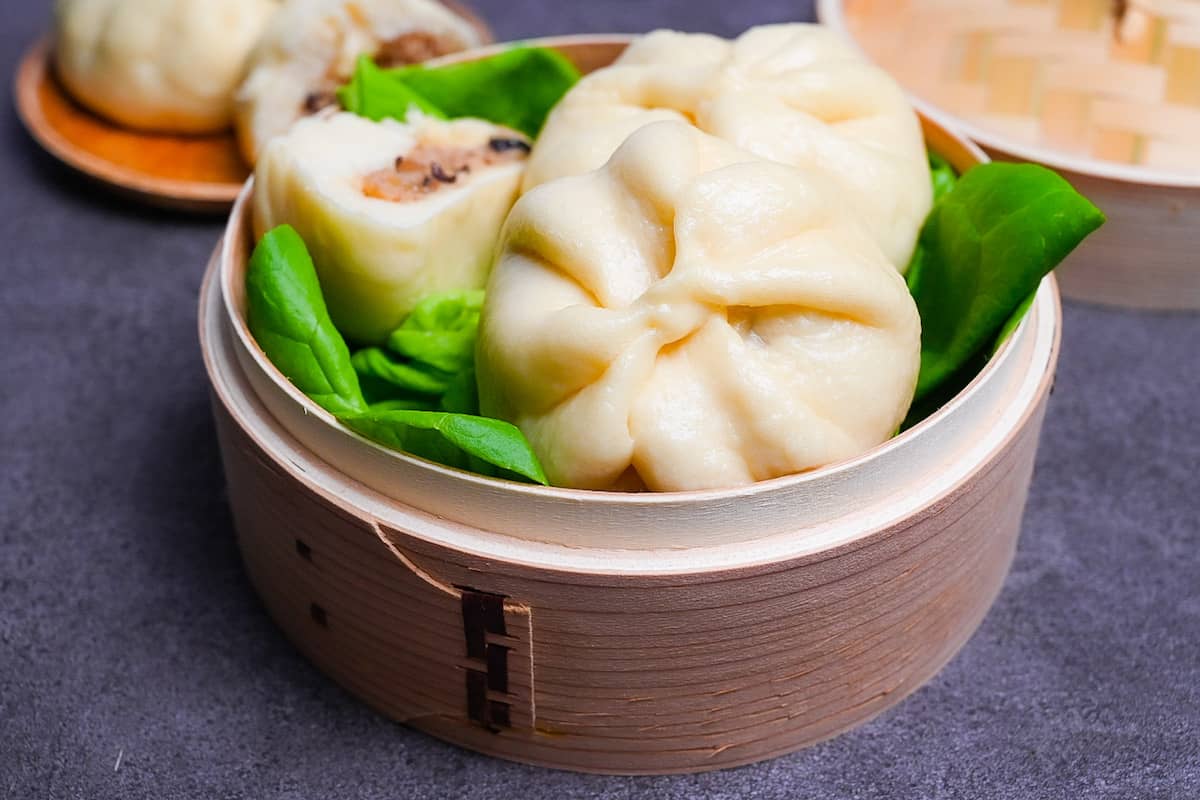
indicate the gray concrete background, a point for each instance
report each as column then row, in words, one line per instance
column 127, row 628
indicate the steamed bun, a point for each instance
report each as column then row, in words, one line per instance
column 692, row 316
column 797, row 94
column 311, row 46
column 161, row 65
column 391, row 212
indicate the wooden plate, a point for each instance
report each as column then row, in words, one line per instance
column 189, row 173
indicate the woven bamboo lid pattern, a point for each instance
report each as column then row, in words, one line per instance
column 1117, row 80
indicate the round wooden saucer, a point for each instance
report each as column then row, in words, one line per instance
column 189, row 173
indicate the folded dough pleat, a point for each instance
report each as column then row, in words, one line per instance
column 692, row 316
column 797, row 94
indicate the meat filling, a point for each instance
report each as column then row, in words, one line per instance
column 413, row 48
column 318, row 100
column 428, row 168
column 410, row 48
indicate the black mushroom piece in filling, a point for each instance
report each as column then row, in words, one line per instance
column 500, row 144
column 319, row 100
column 428, row 167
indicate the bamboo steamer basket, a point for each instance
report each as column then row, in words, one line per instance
column 1106, row 93
column 624, row 633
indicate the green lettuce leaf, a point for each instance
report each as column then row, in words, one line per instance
column 441, row 331
column 516, row 88
column 983, row 251
column 286, row 314
column 944, row 176
column 1013, row 323
column 431, row 355
column 373, row 93
column 400, row 378
column 457, row 440
column 463, row 395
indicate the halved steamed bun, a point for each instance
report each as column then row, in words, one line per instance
column 161, row 65
column 797, row 94
column 311, row 46
column 391, row 212
column 692, row 316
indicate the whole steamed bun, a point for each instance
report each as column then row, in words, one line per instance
column 692, row 316
column 391, row 212
column 159, row 65
column 798, row 94
column 311, row 46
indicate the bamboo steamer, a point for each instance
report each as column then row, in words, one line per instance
column 1107, row 94
column 624, row 633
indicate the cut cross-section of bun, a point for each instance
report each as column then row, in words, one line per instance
column 391, row 212
column 310, row 48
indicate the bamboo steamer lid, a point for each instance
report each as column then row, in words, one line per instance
column 624, row 633
column 1107, row 92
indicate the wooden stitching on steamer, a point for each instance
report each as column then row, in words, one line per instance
column 483, row 614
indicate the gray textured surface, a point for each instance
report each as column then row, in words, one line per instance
column 128, row 630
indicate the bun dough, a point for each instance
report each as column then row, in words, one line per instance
column 692, row 316
column 377, row 258
column 161, row 65
column 797, row 94
column 311, row 46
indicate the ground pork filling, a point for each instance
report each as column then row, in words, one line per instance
column 409, row 48
column 415, row 47
column 429, row 167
